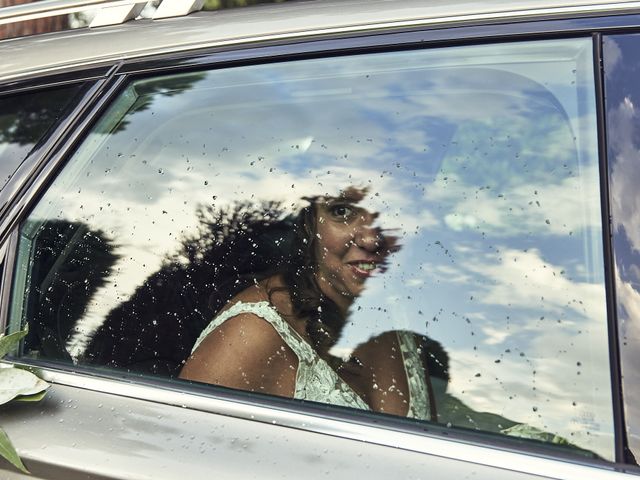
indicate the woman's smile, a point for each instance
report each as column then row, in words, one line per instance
column 349, row 248
column 363, row 269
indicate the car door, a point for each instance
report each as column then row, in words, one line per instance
column 182, row 181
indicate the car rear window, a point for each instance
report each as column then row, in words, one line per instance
column 25, row 120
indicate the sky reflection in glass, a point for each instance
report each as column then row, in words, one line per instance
column 483, row 160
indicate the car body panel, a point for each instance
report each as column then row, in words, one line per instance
column 105, row 428
column 55, row 52
column 120, row 436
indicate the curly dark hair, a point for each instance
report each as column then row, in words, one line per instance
column 233, row 248
column 324, row 320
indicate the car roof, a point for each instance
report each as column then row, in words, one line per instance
column 53, row 52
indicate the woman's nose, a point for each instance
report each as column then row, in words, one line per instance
column 368, row 238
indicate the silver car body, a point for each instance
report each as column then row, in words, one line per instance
column 108, row 427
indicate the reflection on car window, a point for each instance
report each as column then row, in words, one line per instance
column 413, row 233
column 621, row 54
column 25, row 119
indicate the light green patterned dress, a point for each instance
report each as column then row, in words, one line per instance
column 315, row 379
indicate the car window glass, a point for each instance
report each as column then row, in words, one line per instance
column 417, row 233
column 622, row 96
column 25, row 119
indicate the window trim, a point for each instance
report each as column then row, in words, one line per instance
column 619, row 428
column 29, row 84
column 48, row 138
column 329, row 420
column 352, row 42
column 9, row 255
column 37, row 171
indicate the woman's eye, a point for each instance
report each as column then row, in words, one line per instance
column 341, row 211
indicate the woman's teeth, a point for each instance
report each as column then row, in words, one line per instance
column 366, row 266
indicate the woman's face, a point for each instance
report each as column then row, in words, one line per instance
column 349, row 249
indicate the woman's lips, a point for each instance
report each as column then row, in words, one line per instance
column 363, row 269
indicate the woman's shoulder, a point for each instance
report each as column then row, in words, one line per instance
column 247, row 322
column 251, row 317
column 253, row 294
column 271, row 290
column 244, row 352
column 244, row 338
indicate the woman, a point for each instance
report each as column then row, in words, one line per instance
column 274, row 337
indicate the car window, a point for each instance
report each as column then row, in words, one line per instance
column 414, row 233
column 622, row 96
column 25, row 119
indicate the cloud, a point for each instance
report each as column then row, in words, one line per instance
column 543, row 392
column 524, row 279
column 493, row 335
column 625, row 176
column 628, row 298
column 526, row 336
column 560, row 206
column 612, row 56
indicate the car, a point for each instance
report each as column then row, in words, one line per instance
column 323, row 239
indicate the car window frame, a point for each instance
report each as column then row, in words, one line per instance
column 611, row 90
column 91, row 83
column 222, row 57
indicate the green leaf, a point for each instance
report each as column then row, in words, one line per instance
column 8, row 452
column 36, row 397
column 9, row 342
column 15, row 381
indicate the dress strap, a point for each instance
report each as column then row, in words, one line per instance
column 419, row 404
column 315, row 379
column 265, row 311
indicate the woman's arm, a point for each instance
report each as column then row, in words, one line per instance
column 246, row 353
column 381, row 380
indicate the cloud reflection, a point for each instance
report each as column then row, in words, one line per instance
column 487, row 172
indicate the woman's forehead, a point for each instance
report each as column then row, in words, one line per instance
column 350, row 194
